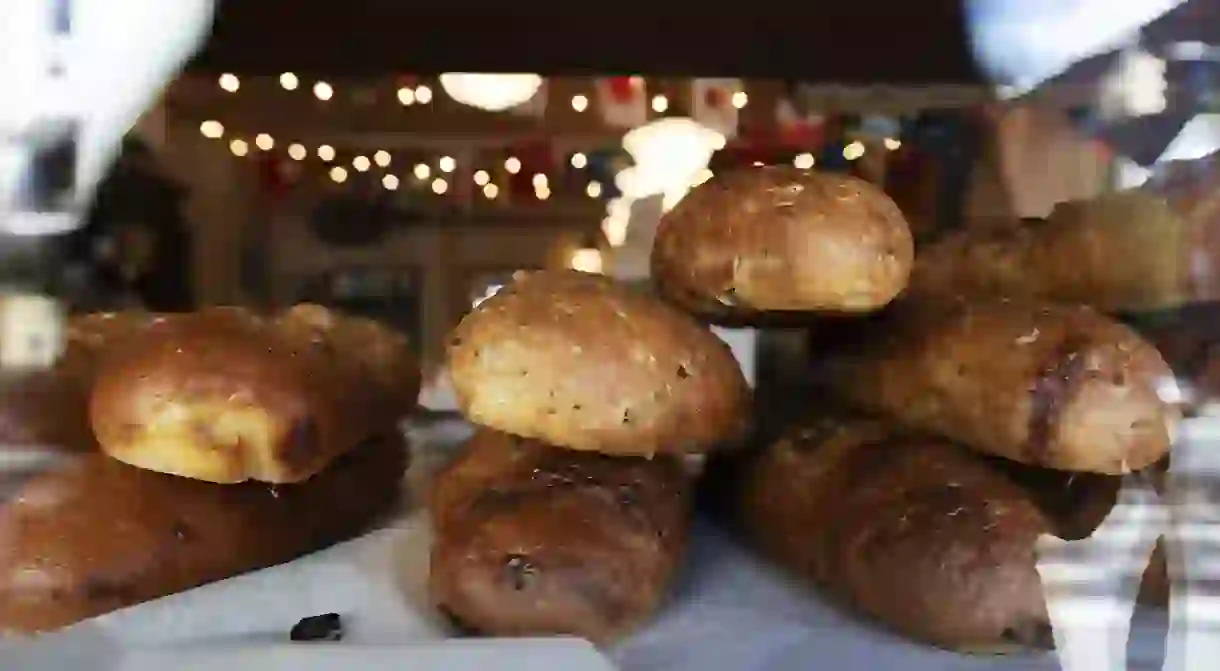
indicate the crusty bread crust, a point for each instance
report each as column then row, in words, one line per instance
column 577, row 360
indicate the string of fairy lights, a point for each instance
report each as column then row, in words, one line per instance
column 438, row 175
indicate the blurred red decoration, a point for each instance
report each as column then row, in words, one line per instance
column 715, row 97
column 406, row 81
column 275, row 179
column 624, row 89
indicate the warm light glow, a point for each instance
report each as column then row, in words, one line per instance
column 326, row 153
column 491, row 92
column 668, row 154
column 406, row 96
column 513, row 165
column 588, row 260
column 439, row 186
column 297, row 152
column 853, row 151
column 239, row 147
column 618, row 218
column 892, row 144
column 289, row 81
column 803, row 161
column 212, row 129
column 422, row 171
column 540, row 181
column 740, row 99
column 338, row 173
column 701, row 177
column 615, row 230
column 447, row 164
column 580, row 103
column 361, row 163
column 423, row 94
column 594, row 189
column 660, row 104
column 542, row 193
column 758, row 164
column 579, row 160
column 481, row 178
column 382, row 158
column 264, row 141
column 390, row 182
column 323, row 91
column 230, row 82
column 491, row 191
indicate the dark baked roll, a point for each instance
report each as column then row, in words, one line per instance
column 88, row 534
column 538, row 540
column 929, row 538
column 778, row 239
column 1056, row 386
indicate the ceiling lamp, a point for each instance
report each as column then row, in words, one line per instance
column 669, row 154
column 491, row 92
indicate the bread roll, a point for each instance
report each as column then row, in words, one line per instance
column 1122, row 252
column 42, row 408
column 1054, row 386
column 577, row 360
column 538, row 540
column 91, row 534
column 780, row 239
column 226, row 396
column 926, row 537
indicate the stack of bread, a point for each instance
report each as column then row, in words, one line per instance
column 163, row 452
column 568, row 511
column 976, row 394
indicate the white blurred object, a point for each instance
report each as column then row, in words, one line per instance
column 491, row 92
column 31, row 333
column 1199, row 138
column 1022, row 43
column 1136, row 86
column 76, row 76
column 669, row 155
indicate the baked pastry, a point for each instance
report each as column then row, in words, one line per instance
column 1131, row 251
column 1054, row 386
column 578, row 360
column 90, row 534
column 777, row 239
column 927, row 537
column 539, row 540
column 224, row 395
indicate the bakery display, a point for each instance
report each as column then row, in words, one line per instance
column 532, row 539
column 90, row 534
column 926, row 537
column 577, row 360
column 1121, row 252
column 780, row 239
column 1047, row 385
column 82, row 533
column 225, row 395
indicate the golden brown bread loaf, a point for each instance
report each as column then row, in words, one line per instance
column 48, row 407
column 1131, row 251
column 1055, row 386
column 781, row 239
column 539, row 540
column 224, row 395
column 924, row 536
column 578, row 360
column 91, row 534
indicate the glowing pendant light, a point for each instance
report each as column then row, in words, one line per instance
column 491, row 92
